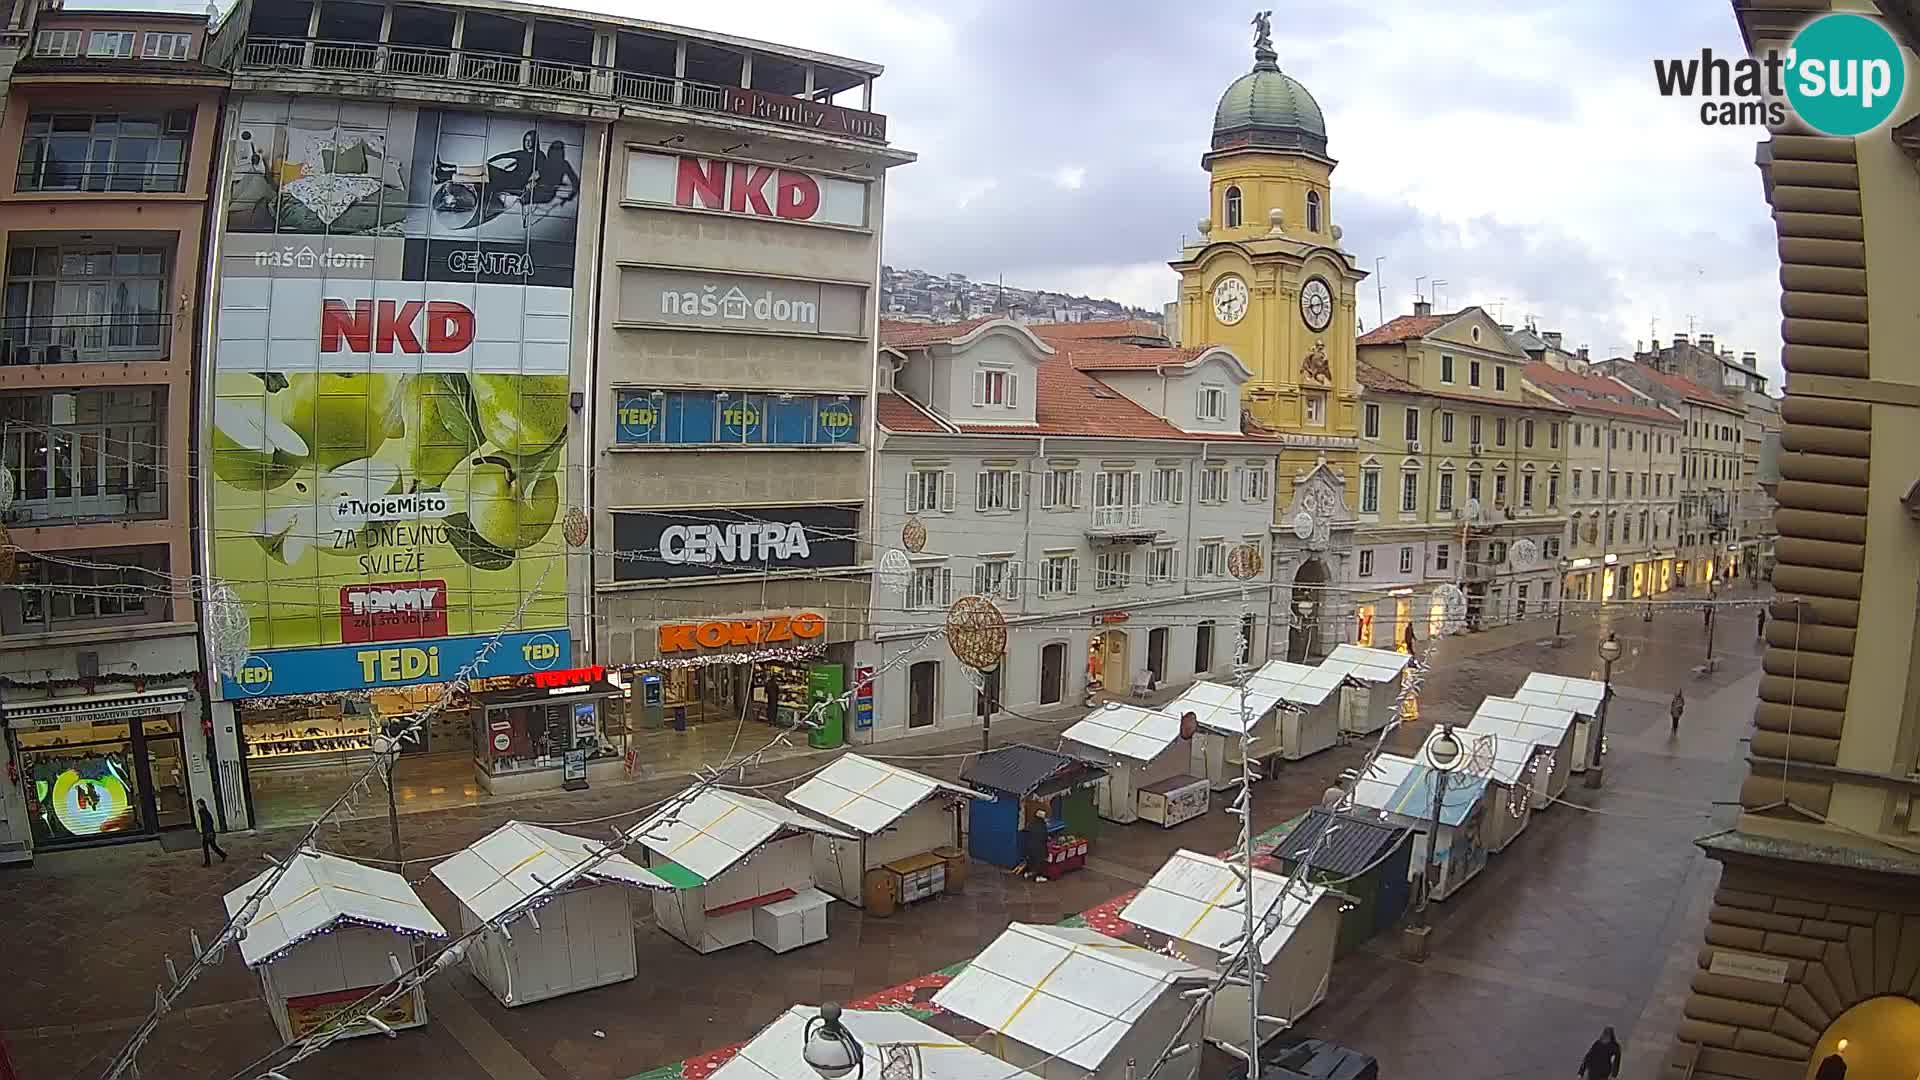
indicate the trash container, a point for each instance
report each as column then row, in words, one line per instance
column 679, row 718
column 879, row 896
column 956, row 867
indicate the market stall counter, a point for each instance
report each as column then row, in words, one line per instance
column 1141, row 749
column 904, row 822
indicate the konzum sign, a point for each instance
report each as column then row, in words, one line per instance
column 749, row 189
column 780, row 630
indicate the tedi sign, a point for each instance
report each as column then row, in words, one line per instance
column 1842, row 75
column 751, row 189
column 717, row 542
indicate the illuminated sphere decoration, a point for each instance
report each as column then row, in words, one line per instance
column 6, row 489
column 913, row 535
column 977, row 632
column 1453, row 606
column 576, row 528
column 1244, row 562
column 895, row 571
column 1524, row 553
column 229, row 629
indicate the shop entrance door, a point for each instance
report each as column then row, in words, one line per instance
column 162, row 757
column 1113, row 664
column 921, row 681
column 1157, row 654
column 1053, row 673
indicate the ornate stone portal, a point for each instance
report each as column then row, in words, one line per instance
column 1312, row 561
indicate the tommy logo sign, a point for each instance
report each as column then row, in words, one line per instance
column 750, row 189
column 394, row 611
column 387, row 326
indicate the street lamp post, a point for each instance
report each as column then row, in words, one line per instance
column 1713, row 594
column 1560, row 607
column 1443, row 754
column 1597, row 762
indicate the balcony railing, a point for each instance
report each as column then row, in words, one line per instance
column 78, row 339
column 79, row 176
column 468, row 66
column 1116, row 517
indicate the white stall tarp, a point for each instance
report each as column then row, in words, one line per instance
column 319, row 891
column 718, row 828
column 517, row 860
column 1128, row 731
column 1298, row 684
column 1188, row 897
column 1370, row 665
column 867, row 796
column 1545, row 725
column 1069, row 992
column 1489, row 755
column 1217, row 706
column 1562, row 692
column 775, row 1053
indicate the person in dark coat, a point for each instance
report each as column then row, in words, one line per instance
column 1035, row 842
column 1677, row 707
column 1834, row 1067
column 1763, row 624
column 1603, row 1058
column 209, row 847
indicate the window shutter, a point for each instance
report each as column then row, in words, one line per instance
column 1133, row 488
column 1013, row 389
column 1179, row 487
column 1073, row 574
column 980, row 480
column 1013, row 580
column 946, row 491
column 946, row 586
column 913, row 492
column 1016, row 487
column 1077, row 489
column 979, row 387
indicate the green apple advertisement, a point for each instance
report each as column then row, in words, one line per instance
column 391, row 396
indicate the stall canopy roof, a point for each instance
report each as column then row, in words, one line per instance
column 1021, row 769
column 774, row 1054
column 1545, row 725
column 514, row 861
column 1358, row 842
column 1580, row 695
column 319, row 891
column 1069, row 992
column 1188, row 897
column 1404, row 787
column 1373, row 665
column 1489, row 755
column 1127, row 730
column 1217, row 707
column 865, row 795
column 717, row 829
column 1298, row 684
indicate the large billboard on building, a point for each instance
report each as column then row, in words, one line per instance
column 656, row 544
column 391, row 390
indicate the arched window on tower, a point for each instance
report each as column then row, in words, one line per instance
column 1233, row 208
column 1313, row 211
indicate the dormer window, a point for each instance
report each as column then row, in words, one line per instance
column 1213, row 403
column 110, row 44
column 996, row 386
column 1313, row 211
column 157, row 46
column 1233, row 208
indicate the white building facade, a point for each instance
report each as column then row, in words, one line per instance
column 1007, row 469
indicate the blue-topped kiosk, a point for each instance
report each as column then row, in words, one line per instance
column 1021, row 779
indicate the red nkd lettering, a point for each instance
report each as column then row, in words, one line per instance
column 389, row 326
column 748, row 194
column 701, row 185
column 798, row 197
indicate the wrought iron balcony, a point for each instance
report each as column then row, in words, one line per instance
column 79, row 339
column 1120, row 525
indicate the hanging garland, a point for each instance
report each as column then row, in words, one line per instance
column 137, row 680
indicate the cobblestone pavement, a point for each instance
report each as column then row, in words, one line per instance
column 1591, row 918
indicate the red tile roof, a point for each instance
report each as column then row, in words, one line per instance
column 1685, row 387
column 907, row 335
column 1375, row 379
column 1592, row 393
column 1372, row 378
column 1120, row 356
column 897, row 413
column 1098, row 329
column 1402, row 327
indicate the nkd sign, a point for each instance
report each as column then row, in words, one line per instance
column 703, row 543
column 746, row 188
column 732, row 302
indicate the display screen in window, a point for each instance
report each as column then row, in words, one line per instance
column 86, row 793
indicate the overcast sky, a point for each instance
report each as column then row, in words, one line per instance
column 1515, row 148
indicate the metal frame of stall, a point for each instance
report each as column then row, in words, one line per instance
column 329, row 932
column 1581, row 697
column 1506, row 764
column 1217, row 712
column 776, row 1052
column 1548, row 728
column 741, row 870
column 1138, row 747
column 1069, row 1003
column 1311, row 721
column 1401, row 790
column 577, row 940
column 896, row 814
column 1373, row 686
column 1187, row 901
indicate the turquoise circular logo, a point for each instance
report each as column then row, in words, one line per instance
column 1845, row 74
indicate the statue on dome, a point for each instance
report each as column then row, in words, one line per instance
column 1262, row 30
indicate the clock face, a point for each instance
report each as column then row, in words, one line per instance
column 1230, row 300
column 1316, row 304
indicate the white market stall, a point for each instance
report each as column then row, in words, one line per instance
column 1506, row 764
column 1146, row 764
column 1072, row 1003
column 775, row 1053
column 1220, row 723
column 1549, row 729
column 1401, row 790
column 1373, row 686
column 326, row 935
column 1310, row 722
column 907, row 825
column 579, row 939
column 741, row 870
column 1185, row 901
column 1581, row 697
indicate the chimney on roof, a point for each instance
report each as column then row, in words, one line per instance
column 1583, row 355
column 1706, row 342
column 1749, row 361
column 1678, row 340
column 1506, row 328
column 1423, row 307
column 1553, row 338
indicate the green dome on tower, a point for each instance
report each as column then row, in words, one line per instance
column 1269, row 109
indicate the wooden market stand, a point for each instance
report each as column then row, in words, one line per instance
column 907, row 826
column 1020, row 780
column 1146, row 762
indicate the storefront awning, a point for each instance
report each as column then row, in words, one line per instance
column 96, row 708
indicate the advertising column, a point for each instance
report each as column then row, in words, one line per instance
column 391, row 399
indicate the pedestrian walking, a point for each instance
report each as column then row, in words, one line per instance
column 1678, row 706
column 1603, row 1058
column 1035, row 835
column 209, row 847
column 1763, row 624
column 1410, row 639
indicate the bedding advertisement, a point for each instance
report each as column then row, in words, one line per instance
column 391, row 391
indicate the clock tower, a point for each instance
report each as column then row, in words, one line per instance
column 1269, row 279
